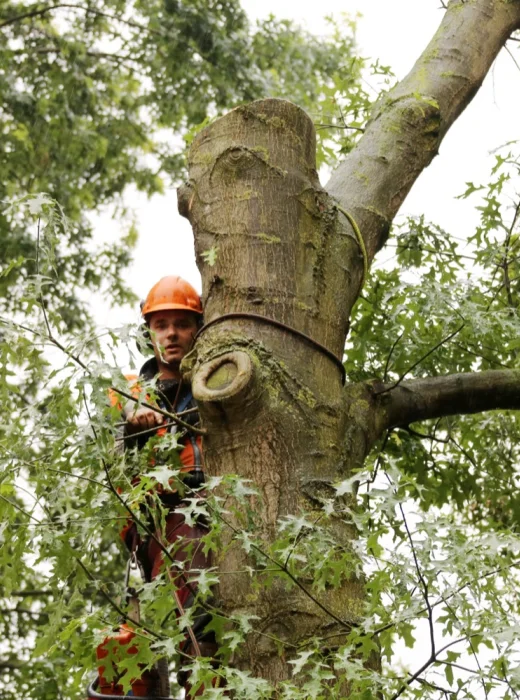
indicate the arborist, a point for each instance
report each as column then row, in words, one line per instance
column 172, row 314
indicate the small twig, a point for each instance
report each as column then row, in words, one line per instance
column 415, row 676
column 168, row 414
column 76, row 476
column 473, row 651
column 449, row 253
column 339, row 126
column 415, row 364
column 20, row 509
column 387, row 363
column 422, row 582
column 113, row 604
column 506, row 47
column 475, row 672
column 42, row 304
column 52, row 339
column 441, row 600
column 145, row 432
column 480, row 356
column 425, row 436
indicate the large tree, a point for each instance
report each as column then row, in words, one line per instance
column 291, row 261
column 311, row 469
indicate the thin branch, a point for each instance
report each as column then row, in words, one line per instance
column 506, row 47
column 450, row 253
column 415, row 676
column 23, row 611
column 73, row 356
column 476, row 672
column 339, row 126
column 20, row 509
column 76, row 476
column 30, row 594
column 387, row 363
column 443, row 599
column 89, row 10
column 168, row 414
column 422, row 581
column 421, row 359
column 113, row 603
column 479, row 355
column 473, row 650
column 425, row 436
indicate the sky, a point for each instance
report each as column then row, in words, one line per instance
column 395, row 32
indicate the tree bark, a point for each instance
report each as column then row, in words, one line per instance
column 270, row 398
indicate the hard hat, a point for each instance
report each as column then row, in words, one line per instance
column 172, row 292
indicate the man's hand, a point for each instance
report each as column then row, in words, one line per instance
column 142, row 419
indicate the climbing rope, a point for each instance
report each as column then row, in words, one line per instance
column 360, row 242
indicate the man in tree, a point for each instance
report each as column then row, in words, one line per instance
column 172, row 312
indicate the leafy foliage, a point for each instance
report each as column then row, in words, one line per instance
column 94, row 98
column 444, row 305
column 77, row 126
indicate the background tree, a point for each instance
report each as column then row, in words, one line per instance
column 93, row 94
column 289, row 447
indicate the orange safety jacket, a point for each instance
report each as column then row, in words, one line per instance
column 191, row 454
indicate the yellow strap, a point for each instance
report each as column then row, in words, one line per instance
column 360, row 242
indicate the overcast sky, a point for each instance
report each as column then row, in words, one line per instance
column 394, row 32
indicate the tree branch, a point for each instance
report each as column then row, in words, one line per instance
column 471, row 392
column 420, row 110
column 39, row 11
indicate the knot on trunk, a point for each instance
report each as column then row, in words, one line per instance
column 226, row 378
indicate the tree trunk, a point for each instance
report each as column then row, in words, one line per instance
column 270, row 398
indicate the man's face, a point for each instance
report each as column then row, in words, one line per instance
column 172, row 334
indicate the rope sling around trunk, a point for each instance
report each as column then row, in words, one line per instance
column 283, row 326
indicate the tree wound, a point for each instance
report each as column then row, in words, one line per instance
column 223, row 377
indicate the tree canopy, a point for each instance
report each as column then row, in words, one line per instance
column 97, row 97
column 344, row 519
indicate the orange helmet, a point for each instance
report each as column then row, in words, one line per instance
column 172, row 293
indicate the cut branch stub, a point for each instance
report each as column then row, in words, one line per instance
column 255, row 200
column 224, row 378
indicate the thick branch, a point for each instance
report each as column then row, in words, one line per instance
column 408, row 125
column 434, row 397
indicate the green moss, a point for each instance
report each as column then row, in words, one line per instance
column 276, row 122
column 267, row 238
column 203, row 158
column 263, row 151
column 432, row 54
column 361, row 176
column 246, row 195
column 307, row 397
